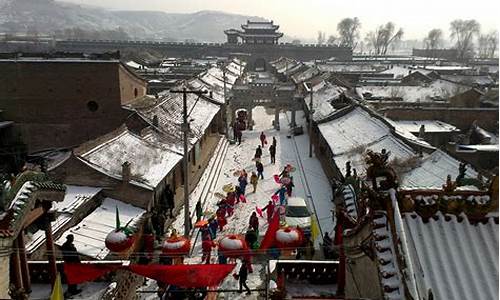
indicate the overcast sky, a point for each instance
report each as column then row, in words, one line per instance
column 303, row 18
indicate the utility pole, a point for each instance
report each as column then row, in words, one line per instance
column 311, row 113
column 185, row 130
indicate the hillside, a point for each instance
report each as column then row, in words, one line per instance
column 54, row 17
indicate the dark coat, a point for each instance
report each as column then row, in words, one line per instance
column 243, row 273
column 259, row 166
column 70, row 255
column 272, row 150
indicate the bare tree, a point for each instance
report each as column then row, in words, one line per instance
column 383, row 37
column 348, row 30
column 434, row 39
column 332, row 40
column 487, row 44
column 321, row 37
column 464, row 31
column 492, row 43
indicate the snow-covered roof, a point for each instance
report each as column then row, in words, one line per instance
column 470, row 79
column 75, row 197
column 324, row 94
column 398, row 150
column 388, row 268
column 429, row 125
column 168, row 111
column 132, row 64
column 149, row 162
column 305, row 75
column 355, row 129
column 346, row 67
column 437, row 90
column 91, row 232
column 480, row 148
column 458, row 260
column 433, row 170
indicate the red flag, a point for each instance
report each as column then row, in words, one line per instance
column 79, row 273
column 187, row 276
column 271, row 232
column 259, row 211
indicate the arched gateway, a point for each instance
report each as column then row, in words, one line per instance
column 264, row 92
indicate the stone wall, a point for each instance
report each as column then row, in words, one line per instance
column 268, row 52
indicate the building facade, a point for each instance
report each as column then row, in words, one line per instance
column 255, row 33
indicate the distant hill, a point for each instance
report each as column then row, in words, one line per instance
column 53, row 17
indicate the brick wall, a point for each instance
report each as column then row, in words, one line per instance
column 62, row 104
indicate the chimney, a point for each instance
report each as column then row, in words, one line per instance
column 126, row 172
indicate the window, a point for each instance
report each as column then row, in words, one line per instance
column 92, row 106
column 297, row 212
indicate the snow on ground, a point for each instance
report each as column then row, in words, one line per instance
column 310, row 182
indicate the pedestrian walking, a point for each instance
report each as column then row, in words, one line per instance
column 327, row 246
column 221, row 217
column 284, row 173
column 199, row 211
column 254, row 180
column 238, row 134
column 70, row 255
column 272, row 153
column 263, row 140
column 254, row 222
column 260, row 169
column 207, row 246
column 212, row 227
column 243, row 182
column 289, row 187
column 274, row 143
column 243, row 276
column 230, row 202
column 168, row 199
column 269, row 208
column 251, row 237
column 258, row 153
column 282, row 194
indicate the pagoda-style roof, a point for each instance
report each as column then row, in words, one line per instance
column 268, row 25
column 232, row 31
column 260, row 35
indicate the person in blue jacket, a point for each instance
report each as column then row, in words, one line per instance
column 282, row 194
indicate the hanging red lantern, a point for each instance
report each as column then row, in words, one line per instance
column 121, row 238
column 176, row 246
column 233, row 246
column 289, row 237
column 119, row 241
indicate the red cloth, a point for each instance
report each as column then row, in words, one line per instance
column 259, row 211
column 186, row 276
column 207, row 245
column 270, row 236
column 79, row 273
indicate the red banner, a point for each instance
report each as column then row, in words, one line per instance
column 270, row 236
column 186, row 276
column 79, row 273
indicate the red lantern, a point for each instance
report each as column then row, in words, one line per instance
column 118, row 241
column 289, row 237
column 233, row 246
column 176, row 246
